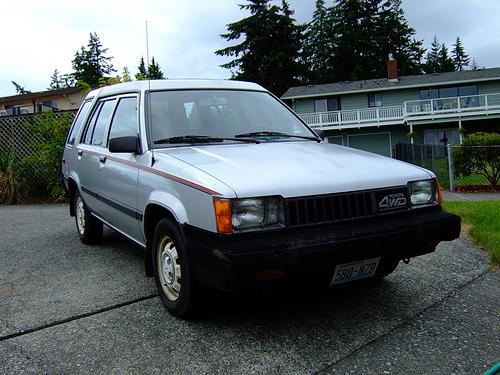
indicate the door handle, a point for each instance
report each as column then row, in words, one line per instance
column 80, row 152
column 102, row 159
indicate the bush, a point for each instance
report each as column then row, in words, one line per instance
column 46, row 161
column 12, row 181
column 479, row 153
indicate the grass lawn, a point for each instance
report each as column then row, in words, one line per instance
column 484, row 218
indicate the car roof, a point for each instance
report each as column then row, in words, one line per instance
column 174, row 84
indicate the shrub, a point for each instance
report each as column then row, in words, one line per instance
column 46, row 161
column 12, row 182
column 479, row 153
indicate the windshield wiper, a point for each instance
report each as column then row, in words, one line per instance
column 201, row 139
column 269, row 133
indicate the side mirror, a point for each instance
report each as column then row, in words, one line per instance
column 320, row 133
column 124, row 144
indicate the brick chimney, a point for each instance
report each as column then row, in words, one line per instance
column 392, row 69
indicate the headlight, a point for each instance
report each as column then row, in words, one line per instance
column 247, row 214
column 422, row 192
column 256, row 212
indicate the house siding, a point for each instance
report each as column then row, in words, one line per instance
column 355, row 101
column 398, row 97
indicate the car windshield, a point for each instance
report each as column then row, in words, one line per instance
column 199, row 115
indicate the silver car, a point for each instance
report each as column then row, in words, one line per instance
column 224, row 186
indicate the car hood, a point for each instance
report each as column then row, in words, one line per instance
column 295, row 168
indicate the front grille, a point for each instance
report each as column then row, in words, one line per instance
column 322, row 209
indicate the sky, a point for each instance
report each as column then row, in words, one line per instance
column 40, row 36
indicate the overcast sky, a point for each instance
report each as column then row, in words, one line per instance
column 40, row 36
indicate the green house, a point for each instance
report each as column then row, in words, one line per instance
column 376, row 114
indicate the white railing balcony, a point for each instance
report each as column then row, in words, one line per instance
column 471, row 103
column 415, row 110
column 365, row 116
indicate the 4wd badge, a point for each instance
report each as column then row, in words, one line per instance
column 392, row 202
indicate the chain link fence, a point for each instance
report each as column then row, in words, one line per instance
column 15, row 137
column 453, row 164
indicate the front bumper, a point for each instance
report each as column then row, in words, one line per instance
column 232, row 261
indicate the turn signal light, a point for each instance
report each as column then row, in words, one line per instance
column 223, row 215
column 439, row 192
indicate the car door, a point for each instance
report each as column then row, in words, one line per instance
column 90, row 155
column 118, row 172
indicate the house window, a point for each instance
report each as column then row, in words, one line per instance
column 320, row 105
column 374, row 100
column 442, row 137
column 448, row 92
column 327, row 105
column 47, row 105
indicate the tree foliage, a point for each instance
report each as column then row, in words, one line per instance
column 318, row 46
column 52, row 129
column 460, row 58
column 126, row 75
column 269, row 47
column 153, row 71
column 91, row 63
column 55, row 81
column 365, row 32
column 20, row 89
column 479, row 153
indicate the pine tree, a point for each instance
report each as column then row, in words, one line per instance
column 20, row 89
column 142, row 73
column 432, row 64
column 460, row 58
column 55, row 81
column 318, row 46
column 67, row 80
column 365, row 32
column 154, row 71
column 445, row 61
column 91, row 63
column 269, row 48
column 392, row 34
column 126, row 75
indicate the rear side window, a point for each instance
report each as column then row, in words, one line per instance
column 124, row 122
column 78, row 123
column 98, row 125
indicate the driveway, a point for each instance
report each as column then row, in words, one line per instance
column 70, row 308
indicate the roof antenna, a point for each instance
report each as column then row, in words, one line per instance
column 148, row 117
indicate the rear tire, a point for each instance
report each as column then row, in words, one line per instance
column 173, row 275
column 88, row 227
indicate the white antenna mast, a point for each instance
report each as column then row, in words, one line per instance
column 149, row 99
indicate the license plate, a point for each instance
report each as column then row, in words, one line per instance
column 360, row 269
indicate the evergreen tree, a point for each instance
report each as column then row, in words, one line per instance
column 432, row 63
column 460, row 58
column 55, row 81
column 142, row 73
column 318, row 46
column 67, row 80
column 445, row 61
column 392, row 34
column 126, row 75
column 154, row 71
column 365, row 32
column 91, row 63
column 20, row 89
column 269, row 49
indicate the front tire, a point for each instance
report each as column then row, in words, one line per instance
column 88, row 227
column 173, row 275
